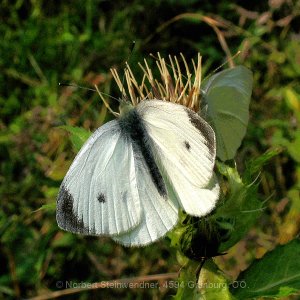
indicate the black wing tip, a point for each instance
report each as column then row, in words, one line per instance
column 204, row 128
column 65, row 216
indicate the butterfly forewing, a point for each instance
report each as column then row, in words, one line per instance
column 99, row 194
column 184, row 146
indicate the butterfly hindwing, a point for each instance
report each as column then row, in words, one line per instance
column 99, row 194
column 159, row 214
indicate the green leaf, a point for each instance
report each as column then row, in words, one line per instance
column 238, row 213
column 240, row 210
column 64, row 240
column 277, row 274
column 78, row 135
column 186, row 288
column 226, row 98
column 254, row 166
column 292, row 99
column 48, row 207
column 294, row 146
column 211, row 285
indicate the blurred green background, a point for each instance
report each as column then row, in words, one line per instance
column 47, row 42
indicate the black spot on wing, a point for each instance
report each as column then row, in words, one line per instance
column 206, row 131
column 65, row 216
column 101, row 198
column 132, row 125
column 187, row 145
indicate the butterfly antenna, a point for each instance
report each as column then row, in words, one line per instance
column 222, row 65
column 105, row 103
column 94, row 90
column 128, row 59
column 77, row 86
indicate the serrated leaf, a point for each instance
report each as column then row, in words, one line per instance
column 78, row 135
column 254, row 166
column 241, row 208
column 226, row 97
column 276, row 275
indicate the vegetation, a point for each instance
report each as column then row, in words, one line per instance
column 45, row 43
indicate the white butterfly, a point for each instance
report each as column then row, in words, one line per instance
column 134, row 173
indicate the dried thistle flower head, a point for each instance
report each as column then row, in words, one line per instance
column 175, row 85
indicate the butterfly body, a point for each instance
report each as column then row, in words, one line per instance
column 134, row 173
column 132, row 126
